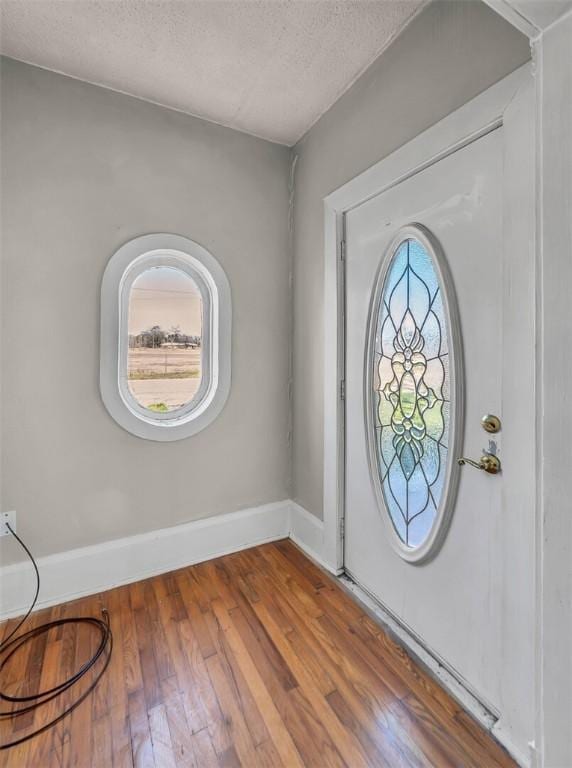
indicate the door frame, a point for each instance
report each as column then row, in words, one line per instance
column 478, row 117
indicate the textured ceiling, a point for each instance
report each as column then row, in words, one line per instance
column 267, row 67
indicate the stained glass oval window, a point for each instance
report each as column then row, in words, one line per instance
column 413, row 412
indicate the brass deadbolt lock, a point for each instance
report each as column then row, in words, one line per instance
column 491, row 423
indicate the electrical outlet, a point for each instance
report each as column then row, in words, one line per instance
column 7, row 517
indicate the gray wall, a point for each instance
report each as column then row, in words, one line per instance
column 448, row 54
column 84, row 170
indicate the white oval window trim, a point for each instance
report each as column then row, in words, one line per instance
column 126, row 264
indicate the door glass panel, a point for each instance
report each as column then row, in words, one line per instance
column 411, row 400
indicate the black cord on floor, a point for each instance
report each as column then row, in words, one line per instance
column 11, row 645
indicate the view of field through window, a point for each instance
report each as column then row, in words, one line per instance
column 165, row 338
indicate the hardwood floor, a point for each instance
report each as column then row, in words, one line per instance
column 254, row 659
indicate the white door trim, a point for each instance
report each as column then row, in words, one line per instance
column 554, row 416
column 481, row 115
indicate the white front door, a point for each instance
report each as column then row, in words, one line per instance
column 438, row 334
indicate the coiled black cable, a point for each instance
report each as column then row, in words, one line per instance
column 12, row 644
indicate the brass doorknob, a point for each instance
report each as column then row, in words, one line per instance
column 488, row 462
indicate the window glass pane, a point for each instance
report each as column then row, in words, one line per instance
column 165, row 339
column 411, row 392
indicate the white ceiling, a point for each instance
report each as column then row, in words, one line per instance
column 267, row 67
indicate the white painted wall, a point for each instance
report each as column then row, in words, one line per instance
column 449, row 53
column 83, row 171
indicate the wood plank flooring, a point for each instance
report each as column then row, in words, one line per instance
column 254, row 659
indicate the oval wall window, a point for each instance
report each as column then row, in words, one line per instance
column 165, row 337
column 414, row 393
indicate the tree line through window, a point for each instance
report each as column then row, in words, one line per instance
column 164, row 365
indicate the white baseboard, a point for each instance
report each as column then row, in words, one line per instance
column 86, row 571
column 89, row 570
column 307, row 531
